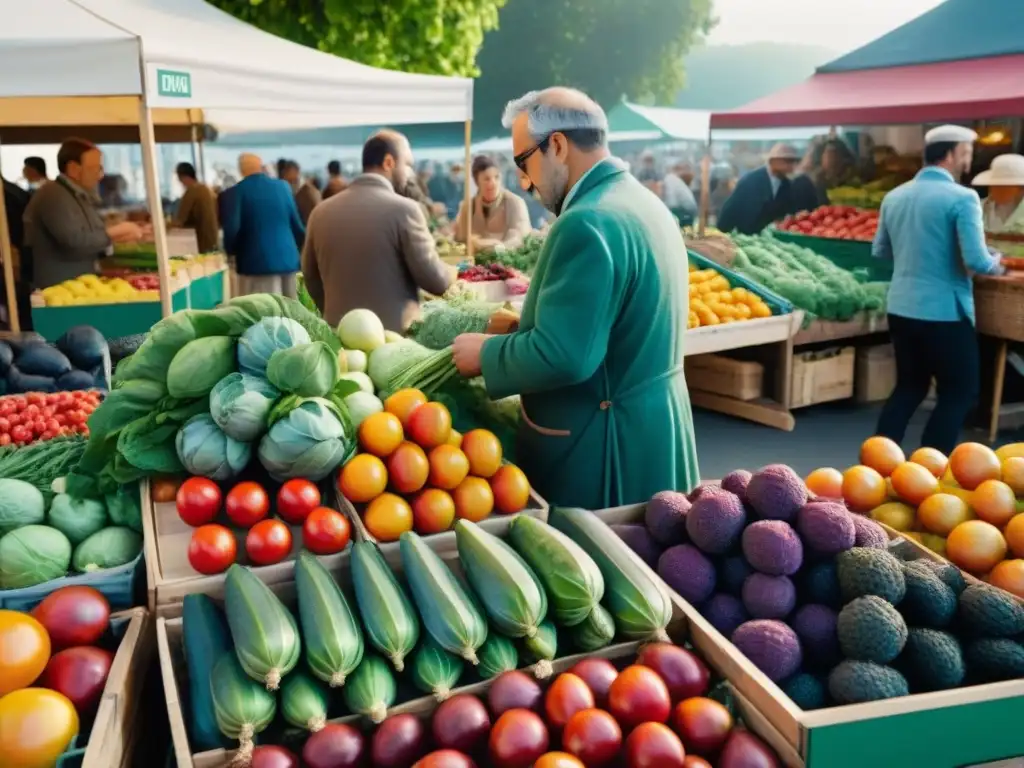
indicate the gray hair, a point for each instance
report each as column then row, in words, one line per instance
column 545, row 117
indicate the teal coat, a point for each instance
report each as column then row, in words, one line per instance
column 598, row 357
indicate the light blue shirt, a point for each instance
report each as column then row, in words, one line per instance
column 931, row 227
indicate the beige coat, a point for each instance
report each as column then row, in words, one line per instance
column 509, row 224
column 367, row 247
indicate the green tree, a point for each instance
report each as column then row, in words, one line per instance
column 437, row 37
column 608, row 48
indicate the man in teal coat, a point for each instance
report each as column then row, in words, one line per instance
column 597, row 355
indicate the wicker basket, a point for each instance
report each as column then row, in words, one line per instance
column 999, row 307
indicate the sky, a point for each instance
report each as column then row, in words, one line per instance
column 839, row 25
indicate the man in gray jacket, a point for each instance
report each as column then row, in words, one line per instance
column 63, row 226
column 369, row 246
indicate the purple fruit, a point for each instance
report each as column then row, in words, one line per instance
column 688, row 571
column 815, row 625
column 639, row 540
column 868, row 533
column 772, row 547
column 826, row 527
column 773, row 647
column 732, row 572
column 715, row 521
column 701, row 489
column 725, row 613
column 768, row 597
column 737, row 482
column 776, row 492
column 665, row 517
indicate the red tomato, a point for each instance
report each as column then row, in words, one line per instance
column 247, row 503
column 65, row 399
column 52, row 425
column 325, row 532
column 268, row 542
column 80, row 674
column 32, row 410
column 21, row 434
column 19, row 402
column 77, row 615
column 212, row 549
column 5, row 424
column 296, row 499
column 198, row 501
column 35, row 398
column 14, row 419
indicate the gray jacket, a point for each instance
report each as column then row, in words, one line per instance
column 65, row 231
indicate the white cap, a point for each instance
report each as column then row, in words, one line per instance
column 1005, row 171
column 954, row 133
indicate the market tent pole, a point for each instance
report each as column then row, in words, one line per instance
column 7, row 256
column 156, row 206
column 467, row 195
column 705, row 192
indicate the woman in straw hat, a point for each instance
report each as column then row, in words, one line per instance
column 1003, row 209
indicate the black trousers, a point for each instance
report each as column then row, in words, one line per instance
column 927, row 349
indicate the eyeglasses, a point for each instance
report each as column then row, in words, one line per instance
column 522, row 157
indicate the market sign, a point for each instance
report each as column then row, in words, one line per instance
column 177, row 85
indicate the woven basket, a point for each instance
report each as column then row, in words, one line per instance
column 999, row 307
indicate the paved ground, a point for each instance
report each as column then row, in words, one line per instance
column 825, row 436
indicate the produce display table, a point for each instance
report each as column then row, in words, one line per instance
column 999, row 309
column 819, row 331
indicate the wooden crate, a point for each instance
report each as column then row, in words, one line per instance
column 821, row 377
column 738, row 379
column 896, row 733
column 875, row 375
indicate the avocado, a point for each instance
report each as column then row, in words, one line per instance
column 820, row 584
column 932, row 660
column 806, row 690
column 869, row 629
column 864, row 571
column 949, row 573
column 992, row 660
column 928, row 601
column 987, row 611
column 854, row 682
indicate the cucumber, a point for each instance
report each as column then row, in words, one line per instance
column 241, row 705
column 633, row 596
column 334, row 641
column 450, row 615
column 391, row 624
column 435, row 671
column 570, row 576
column 594, row 632
column 510, row 592
column 371, row 689
column 304, row 701
column 498, row 654
column 542, row 648
column 264, row 631
column 205, row 638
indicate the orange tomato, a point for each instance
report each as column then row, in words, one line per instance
column 36, row 727
column 1013, row 474
column 363, row 478
column 24, row 651
column 430, row 425
column 976, row 546
column 864, row 488
column 1014, row 533
column 940, row 513
column 483, row 449
column 511, row 489
column 825, row 482
column 1009, row 575
column 403, row 402
column 387, row 517
column 408, row 468
column 881, row 454
column 474, row 500
column 433, row 511
column 931, row 459
column 993, row 501
column 558, row 760
column 448, row 467
column 972, row 464
column 913, row 483
column 380, row 433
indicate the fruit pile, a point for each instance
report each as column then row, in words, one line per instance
column 90, row 289
column 714, row 302
column 654, row 713
column 841, row 222
column 417, row 473
column 268, row 540
column 964, row 508
column 36, row 416
column 54, row 665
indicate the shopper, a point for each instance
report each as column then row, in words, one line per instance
column 370, row 247
column 677, row 194
column 931, row 227
column 1003, row 210
column 597, row 355
column 762, row 195
column 500, row 219
column 307, row 196
column 262, row 231
column 197, row 209
column 35, row 172
column 335, row 181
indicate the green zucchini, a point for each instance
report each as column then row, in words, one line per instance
column 634, row 596
column 542, row 649
column 594, row 632
column 264, row 631
column 304, row 701
column 498, row 654
column 449, row 613
column 241, row 706
column 333, row 639
column 570, row 576
column 205, row 638
column 435, row 671
column 371, row 689
column 391, row 624
column 510, row 592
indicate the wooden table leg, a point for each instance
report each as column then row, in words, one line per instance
column 997, row 390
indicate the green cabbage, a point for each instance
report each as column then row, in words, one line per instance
column 21, row 504
column 263, row 339
column 308, row 370
column 105, row 549
column 199, row 365
column 240, row 404
column 386, row 361
column 205, row 451
column 33, row 555
column 125, row 506
column 78, row 519
column 310, row 441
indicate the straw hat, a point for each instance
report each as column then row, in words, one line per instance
column 1005, row 171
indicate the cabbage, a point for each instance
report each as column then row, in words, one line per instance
column 264, row 338
column 199, row 365
column 205, row 451
column 384, row 362
column 33, row 555
column 240, row 404
column 109, row 548
column 125, row 506
column 364, row 382
column 360, row 405
column 310, row 441
column 21, row 504
column 78, row 519
column 307, row 370
column 355, row 361
column 361, row 329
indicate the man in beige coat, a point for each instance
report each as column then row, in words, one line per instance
column 369, row 247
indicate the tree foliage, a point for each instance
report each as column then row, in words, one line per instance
column 438, row 37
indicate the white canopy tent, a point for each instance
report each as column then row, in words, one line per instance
column 163, row 65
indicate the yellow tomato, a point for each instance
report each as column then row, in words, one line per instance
column 36, row 727
column 24, row 650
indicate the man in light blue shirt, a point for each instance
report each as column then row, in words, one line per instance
column 931, row 227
